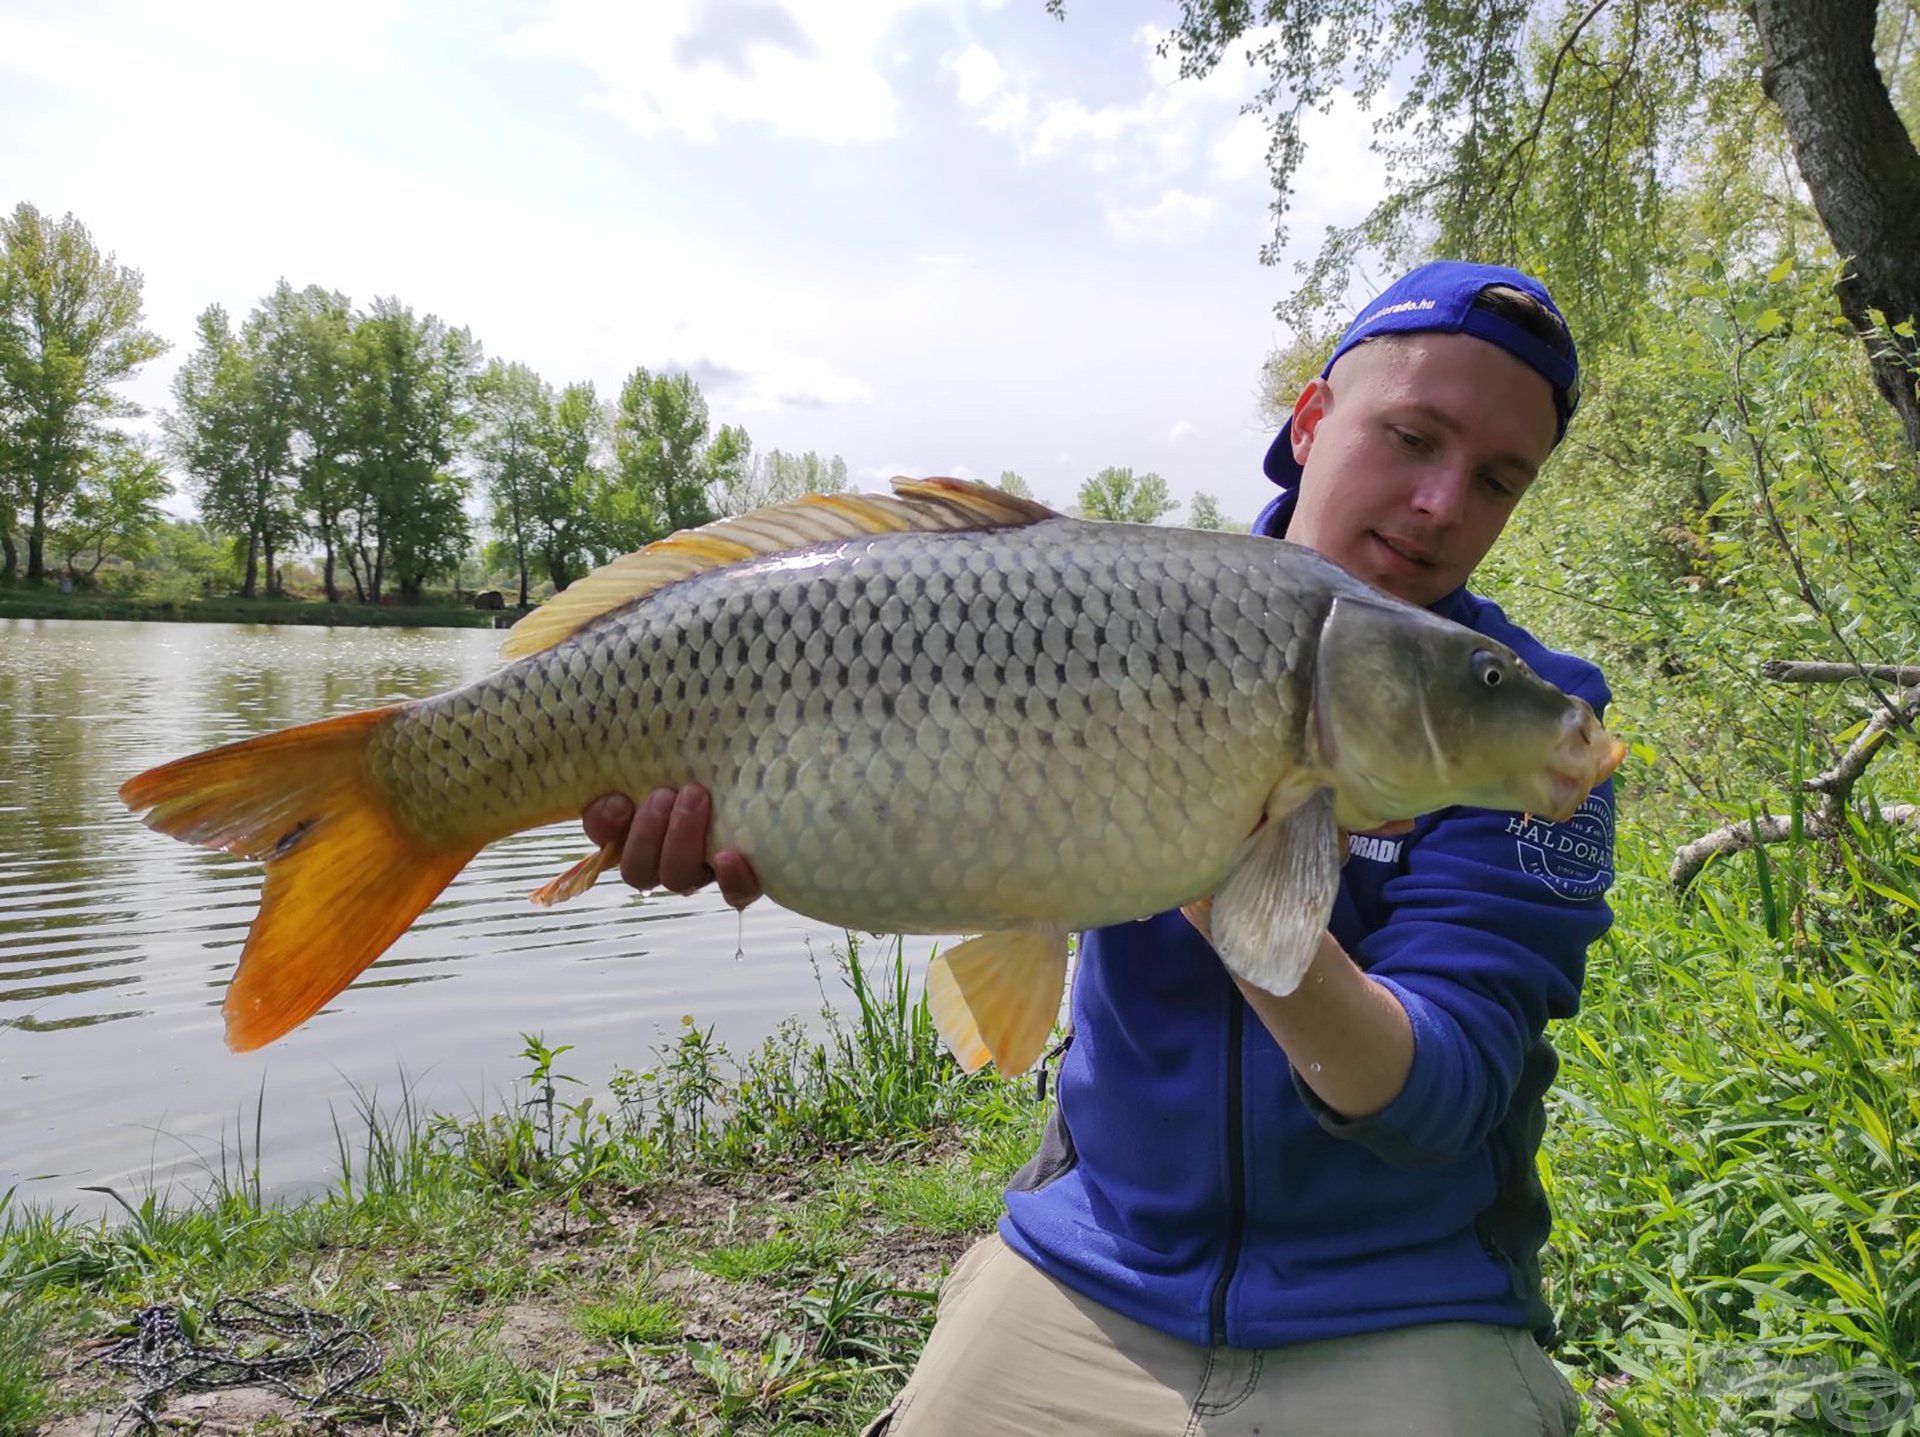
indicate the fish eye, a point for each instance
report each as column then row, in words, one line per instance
column 1488, row 669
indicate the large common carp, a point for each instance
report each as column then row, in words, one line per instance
column 946, row 710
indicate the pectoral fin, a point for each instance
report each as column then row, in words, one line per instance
column 996, row 996
column 1269, row 914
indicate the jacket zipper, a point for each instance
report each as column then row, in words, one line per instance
column 1236, row 1168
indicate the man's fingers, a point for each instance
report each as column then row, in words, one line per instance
column 683, row 852
column 640, row 859
column 738, row 885
column 606, row 818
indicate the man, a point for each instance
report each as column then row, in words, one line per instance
column 1317, row 1214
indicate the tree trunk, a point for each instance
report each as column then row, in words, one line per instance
column 8, row 552
column 248, row 589
column 523, row 576
column 37, row 542
column 1860, row 165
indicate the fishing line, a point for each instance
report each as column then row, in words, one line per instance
column 257, row 1341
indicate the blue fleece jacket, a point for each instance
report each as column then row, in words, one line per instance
column 1190, row 1179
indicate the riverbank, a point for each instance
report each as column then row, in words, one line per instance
column 754, row 1246
column 44, row 602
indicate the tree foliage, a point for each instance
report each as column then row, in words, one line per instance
column 1561, row 136
column 116, row 510
column 513, row 410
column 667, row 459
column 233, row 431
column 1120, row 496
column 70, row 329
column 407, row 414
column 777, row 476
column 572, row 494
column 1207, row 514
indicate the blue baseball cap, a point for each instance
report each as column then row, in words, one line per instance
column 1440, row 296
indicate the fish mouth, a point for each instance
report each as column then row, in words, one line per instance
column 1584, row 758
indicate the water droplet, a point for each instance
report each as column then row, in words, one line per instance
column 1314, row 1066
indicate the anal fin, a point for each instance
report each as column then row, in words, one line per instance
column 995, row 997
column 579, row 878
column 1269, row 914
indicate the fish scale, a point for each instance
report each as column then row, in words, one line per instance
column 903, row 730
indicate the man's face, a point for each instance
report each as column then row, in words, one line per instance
column 1413, row 452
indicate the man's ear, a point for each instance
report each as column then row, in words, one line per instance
column 1308, row 410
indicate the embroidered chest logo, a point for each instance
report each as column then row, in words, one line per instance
column 1374, row 850
column 1575, row 858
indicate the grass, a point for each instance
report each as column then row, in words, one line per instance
column 751, row 1261
column 634, row 1318
column 753, row 1244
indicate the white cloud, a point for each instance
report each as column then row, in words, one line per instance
column 979, row 74
column 1159, row 134
column 1240, row 150
column 1175, row 216
column 750, row 382
column 1182, row 429
column 811, row 72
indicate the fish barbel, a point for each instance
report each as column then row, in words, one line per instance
column 946, row 710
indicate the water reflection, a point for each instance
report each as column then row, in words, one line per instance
column 116, row 943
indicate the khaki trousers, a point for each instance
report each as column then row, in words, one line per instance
column 1016, row 1354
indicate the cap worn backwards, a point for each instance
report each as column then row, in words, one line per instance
column 1440, row 297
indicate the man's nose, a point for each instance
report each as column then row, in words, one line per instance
column 1441, row 494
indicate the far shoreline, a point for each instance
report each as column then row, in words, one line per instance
column 28, row 603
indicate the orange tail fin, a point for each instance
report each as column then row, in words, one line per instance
column 345, row 877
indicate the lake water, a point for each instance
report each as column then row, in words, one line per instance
column 116, row 942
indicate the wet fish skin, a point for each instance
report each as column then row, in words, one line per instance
column 918, row 732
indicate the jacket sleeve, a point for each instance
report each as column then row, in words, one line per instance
column 1485, row 940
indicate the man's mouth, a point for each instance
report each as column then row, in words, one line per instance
column 1405, row 549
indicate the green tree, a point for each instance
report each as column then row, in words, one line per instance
column 116, row 510
column 571, row 497
column 1206, row 514
column 408, row 413
column 316, row 326
column 233, row 433
column 667, row 460
column 1559, row 137
column 1119, row 496
column 1013, row 484
column 189, row 559
column 513, row 411
column 70, row 329
column 776, row 477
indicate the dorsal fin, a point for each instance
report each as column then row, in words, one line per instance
column 925, row 505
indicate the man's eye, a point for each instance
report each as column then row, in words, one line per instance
column 1409, row 440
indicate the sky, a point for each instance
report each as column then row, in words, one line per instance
column 932, row 236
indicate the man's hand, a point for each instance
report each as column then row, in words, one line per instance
column 665, row 844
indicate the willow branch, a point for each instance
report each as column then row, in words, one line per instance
column 1805, row 671
column 1739, row 837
